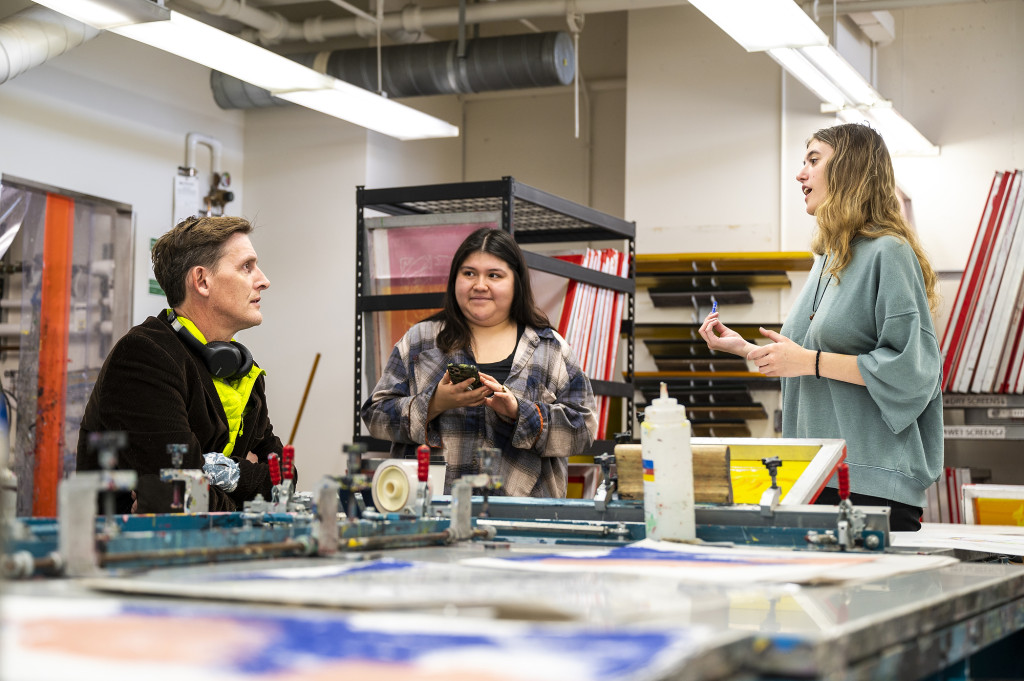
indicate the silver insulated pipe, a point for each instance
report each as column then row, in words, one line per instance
column 501, row 63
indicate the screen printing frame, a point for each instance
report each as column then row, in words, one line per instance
column 820, row 469
column 973, row 493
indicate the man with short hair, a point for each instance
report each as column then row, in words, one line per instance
column 179, row 379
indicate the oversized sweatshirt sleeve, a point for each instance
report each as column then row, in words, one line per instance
column 393, row 412
column 563, row 420
column 903, row 372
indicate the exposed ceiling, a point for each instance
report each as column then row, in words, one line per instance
column 303, row 26
column 602, row 38
column 499, row 17
column 532, row 15
column 306, row 26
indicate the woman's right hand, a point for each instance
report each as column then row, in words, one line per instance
column 721, row 338
column 450, row 395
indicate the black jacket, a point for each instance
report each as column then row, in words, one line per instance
column 155, row 389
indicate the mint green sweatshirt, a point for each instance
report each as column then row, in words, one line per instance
column 893, row 425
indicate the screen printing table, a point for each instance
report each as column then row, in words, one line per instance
column 566, row 590
column 443, row 613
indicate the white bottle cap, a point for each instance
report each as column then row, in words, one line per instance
column 664, row 409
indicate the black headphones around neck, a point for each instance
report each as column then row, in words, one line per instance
column 223, row 359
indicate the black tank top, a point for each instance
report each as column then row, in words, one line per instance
column 501, row 370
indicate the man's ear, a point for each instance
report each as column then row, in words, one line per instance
column 199, row 280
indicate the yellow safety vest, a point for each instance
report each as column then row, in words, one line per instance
column 234, row 394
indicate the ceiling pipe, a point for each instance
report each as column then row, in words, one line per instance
column 508, row 62
column 825, row 9
column 271, row 26
column 36, row 35
column 414, row 19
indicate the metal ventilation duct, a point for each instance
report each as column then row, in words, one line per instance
column 36, row 35
column 502, row 63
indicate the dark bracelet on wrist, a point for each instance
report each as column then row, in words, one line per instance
column 817, row 365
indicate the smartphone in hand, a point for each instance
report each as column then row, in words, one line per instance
column 460, row 372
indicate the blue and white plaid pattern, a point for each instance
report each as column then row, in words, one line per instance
column 556, row 419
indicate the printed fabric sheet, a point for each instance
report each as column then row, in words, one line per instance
column 90, row 639
column 707, row 564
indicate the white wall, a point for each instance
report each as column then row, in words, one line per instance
column 392, row 163
column 957, row 73
column 608, row 148
column 300, row 167
column 702, row 137
column 106, row 119
column 532, row 139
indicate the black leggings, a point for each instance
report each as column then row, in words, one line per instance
column 904, row 518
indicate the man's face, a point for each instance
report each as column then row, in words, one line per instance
column 235, row 286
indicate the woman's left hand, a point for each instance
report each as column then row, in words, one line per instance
column 501, row 400
column 782, row 357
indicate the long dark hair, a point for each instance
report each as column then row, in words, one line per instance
column 455, row 333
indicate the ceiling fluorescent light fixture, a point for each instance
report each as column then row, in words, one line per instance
column 285, row 78
column 364, row 108
column 901, row 138
column 795, row 42
column 813, row 79
column 760, row 25
column 106, row 14
column 215, row 49
column 843, row 75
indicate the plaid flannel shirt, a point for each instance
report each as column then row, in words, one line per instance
column 556, row 411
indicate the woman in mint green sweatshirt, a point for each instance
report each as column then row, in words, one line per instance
column 857, row 355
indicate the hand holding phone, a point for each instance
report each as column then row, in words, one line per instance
column 461, row 372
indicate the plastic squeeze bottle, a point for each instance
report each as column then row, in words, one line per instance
column 668, row 470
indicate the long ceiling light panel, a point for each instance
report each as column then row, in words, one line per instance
column 759, row 25
column 902, row 138
column 842, row 73
column 107, row 14
column 173, row 32
column 798, row 66
column 791, row 38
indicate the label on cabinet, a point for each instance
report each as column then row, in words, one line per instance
column 974, row 400
column 974, row 432
column 1005, row 413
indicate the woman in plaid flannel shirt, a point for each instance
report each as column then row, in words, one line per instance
column 535, row 404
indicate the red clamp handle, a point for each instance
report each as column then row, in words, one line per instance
column 423, row 463
column 274, row 463
column 288, row 462
column 844, row 481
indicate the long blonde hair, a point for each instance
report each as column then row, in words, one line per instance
column 862, row 201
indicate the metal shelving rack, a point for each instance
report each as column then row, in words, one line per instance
column 531, row 216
